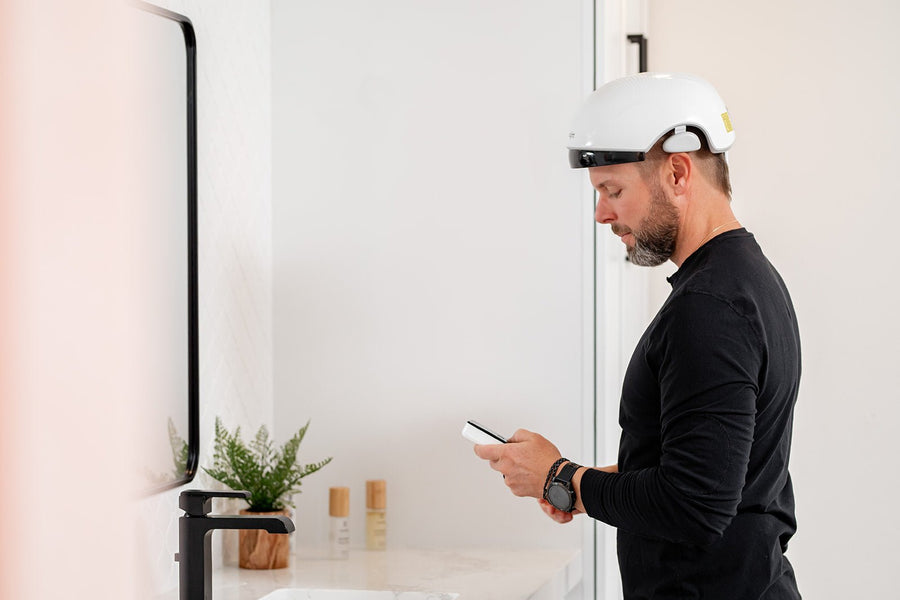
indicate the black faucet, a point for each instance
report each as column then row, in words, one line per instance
column 195, row 540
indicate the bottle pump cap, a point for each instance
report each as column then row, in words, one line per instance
column 339, row 501
column 376, row 494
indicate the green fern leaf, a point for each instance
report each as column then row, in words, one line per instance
column 270, row 474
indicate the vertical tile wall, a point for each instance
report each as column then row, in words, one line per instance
column 234, row 162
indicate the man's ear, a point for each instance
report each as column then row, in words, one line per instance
column 679, row 173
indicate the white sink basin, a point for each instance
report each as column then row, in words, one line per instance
column 307, row 594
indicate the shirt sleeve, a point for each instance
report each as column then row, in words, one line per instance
column 707, row 357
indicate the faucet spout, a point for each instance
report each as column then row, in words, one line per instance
column 195, row 540
column 270, row 524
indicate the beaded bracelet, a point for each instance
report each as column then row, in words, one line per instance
column 551, row 473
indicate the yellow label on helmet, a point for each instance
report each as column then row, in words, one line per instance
column 727, row 120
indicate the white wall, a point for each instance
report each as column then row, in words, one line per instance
column 813, row 91
column 428, row 255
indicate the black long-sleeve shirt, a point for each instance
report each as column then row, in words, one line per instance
column 703, row 500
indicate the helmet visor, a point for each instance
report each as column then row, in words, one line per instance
column 579, row 159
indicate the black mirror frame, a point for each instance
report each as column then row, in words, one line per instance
column 193, row 437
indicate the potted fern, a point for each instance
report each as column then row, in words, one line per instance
column 271, row 476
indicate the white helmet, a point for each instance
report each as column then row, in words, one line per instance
column 622, row 120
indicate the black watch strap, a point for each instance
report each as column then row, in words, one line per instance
column 566, row 473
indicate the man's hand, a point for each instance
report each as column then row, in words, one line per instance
column 556, row 514
column 524, row 461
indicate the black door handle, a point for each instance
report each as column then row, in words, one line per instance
column 641, row 41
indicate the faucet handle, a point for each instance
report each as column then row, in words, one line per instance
column 198, row 503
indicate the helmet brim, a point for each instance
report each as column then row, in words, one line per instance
column 580, row 159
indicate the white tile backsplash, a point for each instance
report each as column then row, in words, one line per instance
column 235, row 251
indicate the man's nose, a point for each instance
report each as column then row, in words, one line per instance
column 603, row 213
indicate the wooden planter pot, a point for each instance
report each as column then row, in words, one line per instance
column 260, row 549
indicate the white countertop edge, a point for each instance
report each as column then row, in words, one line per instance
column 474, row 574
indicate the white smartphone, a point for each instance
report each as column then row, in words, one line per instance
column 479, row 434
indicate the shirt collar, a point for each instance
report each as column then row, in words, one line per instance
column 691, row 263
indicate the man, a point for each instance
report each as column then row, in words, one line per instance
column 701, row 496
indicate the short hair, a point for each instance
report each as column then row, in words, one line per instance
column 711, row 164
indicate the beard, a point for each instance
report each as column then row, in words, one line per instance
column 655, row 238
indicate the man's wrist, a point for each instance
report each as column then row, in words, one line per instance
column 576, row 485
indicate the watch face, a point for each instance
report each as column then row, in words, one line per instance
column 559, row 497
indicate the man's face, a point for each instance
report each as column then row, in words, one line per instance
column 640, row 214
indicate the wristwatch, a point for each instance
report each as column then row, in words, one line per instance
column 560, row 493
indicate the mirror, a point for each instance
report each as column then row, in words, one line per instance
column 165, row 247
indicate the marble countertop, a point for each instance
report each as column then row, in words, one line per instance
column 477, row 574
